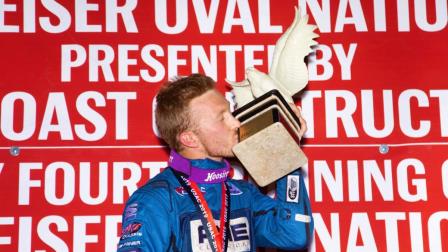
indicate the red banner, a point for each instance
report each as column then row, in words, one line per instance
column 78, row 80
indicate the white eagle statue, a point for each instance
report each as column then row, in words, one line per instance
column 288, row 73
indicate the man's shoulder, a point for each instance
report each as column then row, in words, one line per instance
column 157, row 188
column 162, row 181
column 156, row 192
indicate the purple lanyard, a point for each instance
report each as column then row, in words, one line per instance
column 196, row 174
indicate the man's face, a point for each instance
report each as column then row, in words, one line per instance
column 214, row 125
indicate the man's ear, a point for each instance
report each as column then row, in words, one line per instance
column 189, row 139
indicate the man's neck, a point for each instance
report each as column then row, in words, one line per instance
column 198, row 155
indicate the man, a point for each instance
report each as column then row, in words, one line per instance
column 192, row 205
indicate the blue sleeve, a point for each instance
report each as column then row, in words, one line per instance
column 285, row 222
column 146, row 224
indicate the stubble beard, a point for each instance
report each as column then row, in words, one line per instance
column 218, row 149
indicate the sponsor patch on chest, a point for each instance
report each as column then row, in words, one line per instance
column 234, row 190
column 239, row 235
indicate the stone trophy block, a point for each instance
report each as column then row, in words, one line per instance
column 269, row 139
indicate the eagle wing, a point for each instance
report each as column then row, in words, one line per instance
column 289, row 68
column 280, row 44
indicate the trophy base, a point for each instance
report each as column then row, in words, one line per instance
column 270, row 154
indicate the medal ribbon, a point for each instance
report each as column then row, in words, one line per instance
column 217, row 240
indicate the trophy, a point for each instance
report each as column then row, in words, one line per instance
column 269, row 139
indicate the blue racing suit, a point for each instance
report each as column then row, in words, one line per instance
column 160, row 216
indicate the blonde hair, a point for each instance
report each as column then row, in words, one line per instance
column 172, row 111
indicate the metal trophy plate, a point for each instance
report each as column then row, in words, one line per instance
column 268, row 145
